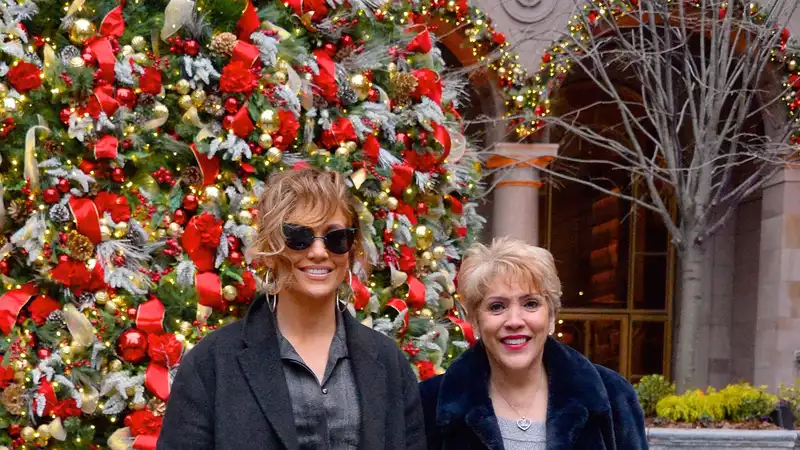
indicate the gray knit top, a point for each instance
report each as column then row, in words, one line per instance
column 516, row 439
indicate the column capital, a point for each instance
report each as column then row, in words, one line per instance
column 512, row 154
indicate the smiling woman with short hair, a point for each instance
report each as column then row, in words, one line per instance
column 519, row 388
column 298, row 372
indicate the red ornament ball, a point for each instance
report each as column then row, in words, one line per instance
column 330, row 48
column 118, row 175
column 236, row 258
column 4, row 267
column 190, row 202
column 227, row 122
column 231, row 104
column 422, row 208
column 88, row 58
column 404, row 139
column 179, row 217
column 191, row 47
column 64, row 115
column 347, row 40
column 43, row 353
column 63, row 258
column 233, row 243
column 132, row 345
column 86, row 166
column 127, row 144
column 63, row 185
column 132, row 312
column 51, row 195
column 126, row 97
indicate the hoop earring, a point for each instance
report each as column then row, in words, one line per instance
column 272, row 299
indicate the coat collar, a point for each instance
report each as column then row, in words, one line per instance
column 576, row 392
column 261, row 365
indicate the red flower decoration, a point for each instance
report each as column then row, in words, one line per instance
column 116, row 205
column 66, row 408
column 209, row 229
column 429, row 84
column 132, row 345
column 247, row 289
column 288, row 129
column 406, row 210
column 237, row 77
column 341, row 131
column 71, row 273
column 46, row 389
column 6, row 376
column 164, row 349
column 303, row 7
column 41, row 307
column 143, row 422
column 408, row 259
column 426, row 370
column 150, row 81
column 24, row 76
column 372, row 149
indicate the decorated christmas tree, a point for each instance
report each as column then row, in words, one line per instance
column 135, row 141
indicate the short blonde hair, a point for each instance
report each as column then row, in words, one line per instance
column 511, row 260
column 306, row 197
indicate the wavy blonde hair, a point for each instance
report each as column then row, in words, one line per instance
column 510, row 260
column 306, row 197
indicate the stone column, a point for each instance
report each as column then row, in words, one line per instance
column 777, row 336
column 515, row 205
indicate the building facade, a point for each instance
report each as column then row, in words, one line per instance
column 615, row 260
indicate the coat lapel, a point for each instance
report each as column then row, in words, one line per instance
column 261, row 365
column 370, row 377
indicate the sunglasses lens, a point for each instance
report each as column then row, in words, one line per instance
column 298, row 237
column 340, row 241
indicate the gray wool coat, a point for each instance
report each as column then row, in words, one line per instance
column 230, row 391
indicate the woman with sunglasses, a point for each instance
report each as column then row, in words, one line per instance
column 298, row 372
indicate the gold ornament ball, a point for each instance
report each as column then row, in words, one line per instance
column 11, row 105
column 174, row 229
column 120, row 230
column 28, row 434
column 115, row 365
column 81, row 30
column 427, row 256
column 322, row 153
column 229, row 293
column 111, row 307
column 101, row 297
column 185, row 101
column 160, row 111
column 351, row 145
column 434, row 267
column 245, row 217
column 128, row 51
column 438, row 252
column 265, row 140
column 342, row 152
column 268, row 121
column 138, row 404
column 20, row 364
column 183, row 87
column 161, row 234
column 382, row 198
column 280, row 77
column 105, row 233
column 392, row 203
column 248, row 201
column 185, row 328
column 139, row 43
column 792, row 65
column 392, row 68
column 360, row 85
column 426, row 312
column 199, row 97
column 3, row 89
column 212, row 192
column 274, row 155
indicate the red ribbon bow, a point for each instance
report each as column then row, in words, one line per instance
column 11, row 303
column 209, row 291
column 150, row 316
column 421, row 42
column 416, row 292
column 208, row 166
column 248, row 22
column 87, row 218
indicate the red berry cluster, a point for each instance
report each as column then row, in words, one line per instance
column 180, row 46
column 164, row 176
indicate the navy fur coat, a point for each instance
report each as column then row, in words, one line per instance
column 589, row 406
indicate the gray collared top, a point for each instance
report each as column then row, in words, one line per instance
column 327, row 414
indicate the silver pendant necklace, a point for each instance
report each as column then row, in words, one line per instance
column 523, row 423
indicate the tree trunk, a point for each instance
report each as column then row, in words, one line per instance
column 689, row 300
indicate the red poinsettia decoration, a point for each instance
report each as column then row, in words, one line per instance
column 408, row 259
column 429, row 84
column 150, row 81
column 41, row 307
column 200, row 240
column 288, row 129
column 164, row 349
column 24, row 76
column 247, row 289
column 116, row 205
column 237, row 77
column 75, row 275
column 6, row 376
column 66, row 408
column 46, row 389
column 143, row 422
column 372, row 149
column 340, row 131
column 425, row 370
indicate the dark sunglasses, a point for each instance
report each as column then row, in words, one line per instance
column 338, row 241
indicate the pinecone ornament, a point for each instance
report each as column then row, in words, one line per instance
column 403, row 84
column 57, row 317
column 94, row 189
column 59, row 213
column 80, row 247
column 85, row 300
column 192, row 175
column 343, row 53
column 18, row 210
column 347, row 95
column 13, row 398
column 224, row 43
column 3, row 240
column 52, row 148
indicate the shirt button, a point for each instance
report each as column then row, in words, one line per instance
column 324, row 390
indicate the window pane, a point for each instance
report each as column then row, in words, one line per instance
column 599, row 340
column 647, row 348
column 650, row 267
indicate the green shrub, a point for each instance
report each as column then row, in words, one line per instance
column 651, row 389
column 792, row 395
column 744, row 402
